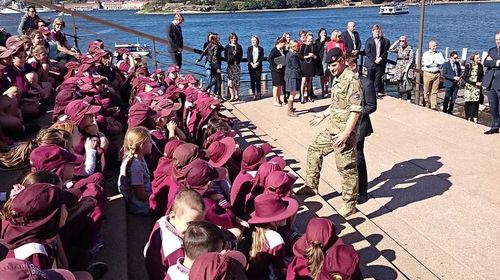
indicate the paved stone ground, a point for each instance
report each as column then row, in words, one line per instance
column 435, row 199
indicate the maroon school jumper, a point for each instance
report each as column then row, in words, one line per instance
column 163, row 249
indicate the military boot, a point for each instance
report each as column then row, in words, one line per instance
column 347, row 210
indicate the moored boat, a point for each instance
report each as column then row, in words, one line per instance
column 394, row 9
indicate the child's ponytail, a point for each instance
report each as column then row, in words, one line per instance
column 315, row 257
column 258, row 241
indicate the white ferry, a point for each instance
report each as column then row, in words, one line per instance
column 394, row 9
column 142, row 50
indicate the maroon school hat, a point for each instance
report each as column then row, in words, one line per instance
column 215, row 266
column 173, row 68
column 269, row 207
column 121, row 51
column 86, row 84
column 254, row 155
column 13, row 269
column 166, row 106
column 199, row 173
column 170, row 147
column 186, row 153
column 158, row 71
column 39, row 201
column 219, row 152
column 51, row 157
column 95, row 46
column 280, row 182
column 341, row 262
column 181, row 80
column 44, row 29
column 12, row 48
column 77, row 109
column 320, row 230
column 190, row 79
column 138, row 113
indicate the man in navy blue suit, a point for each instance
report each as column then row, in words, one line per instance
column 351, row 39
column 451, row 75
column 491, row 82
column 376, row 48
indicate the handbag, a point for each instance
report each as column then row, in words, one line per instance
column 406, row 85
column 461, row 83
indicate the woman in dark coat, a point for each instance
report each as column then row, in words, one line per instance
column 320, row 62
column 277, row 62
column 233, row 54
column 255, row 54
column 213, row 53
column 308, row 57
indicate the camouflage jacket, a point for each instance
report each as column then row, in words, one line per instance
column 347, row 96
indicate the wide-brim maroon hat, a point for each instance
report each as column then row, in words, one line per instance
column 341, row 262
column 199, row 173
column 269, row 207
column 318, row 229
column 14, row 269
column 219, row 152
column 278, row 161
column 77, row 109
column 52, row 157
column 138, row 113
column 253, row 155
column 280, row 182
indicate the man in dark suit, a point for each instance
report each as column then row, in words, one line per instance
column 351, row 39
column 376, row 48
column 491, row 82
column 365, row 128
column 174, row 35
column 451, row 74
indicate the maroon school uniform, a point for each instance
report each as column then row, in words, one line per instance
column 19, row 80
column 163, row 249
column 270, row 259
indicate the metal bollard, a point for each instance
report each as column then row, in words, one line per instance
column 201, row 82
column 263, row 82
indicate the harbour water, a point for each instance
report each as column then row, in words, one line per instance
column 455, row 26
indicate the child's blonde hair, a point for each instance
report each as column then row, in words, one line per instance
column 134, row 139
column 315, row 257
column 19, row 155
column 38, row 50
column 293, row 45
column 258, row 240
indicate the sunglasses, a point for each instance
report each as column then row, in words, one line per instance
column 402, row 41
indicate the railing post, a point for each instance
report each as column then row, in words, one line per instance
column 419, row 52
column 485, row 54
column 155, row 54
column 464, row 55
column 263, row 82
column 446, row 51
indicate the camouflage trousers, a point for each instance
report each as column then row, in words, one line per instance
column 345, row 160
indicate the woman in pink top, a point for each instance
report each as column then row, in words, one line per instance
column 336, row 42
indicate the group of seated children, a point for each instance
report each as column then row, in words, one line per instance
column 221, row 212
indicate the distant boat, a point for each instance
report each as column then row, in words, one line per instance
column 142, row 50
column 394, row 9
column 63, row 14
column 18, row 7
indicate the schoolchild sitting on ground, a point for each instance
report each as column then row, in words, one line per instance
column 267, row 247
column 33, row 219
column 275, row 164
column 18, row 156
column 253, row 156
column 165, row 245
column 160, row 185
column 314, row 247
column 134, row 180
column 199, row 177
column 219, row 266
column 200, row 237
column 84, row 115
column 173, row 72
column 220, row 154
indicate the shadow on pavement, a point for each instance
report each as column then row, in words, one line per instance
column 408, row 182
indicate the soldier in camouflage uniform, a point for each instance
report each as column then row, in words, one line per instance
column 341, row 134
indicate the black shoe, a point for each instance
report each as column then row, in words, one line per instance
column 363, row 198
column 491, row 131
column 97, row 270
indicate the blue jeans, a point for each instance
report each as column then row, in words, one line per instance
column 494, row 101
column 449, row 99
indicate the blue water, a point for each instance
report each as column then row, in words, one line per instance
column 455, row 26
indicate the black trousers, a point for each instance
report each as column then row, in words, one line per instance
column 375, row 74
column 176, row 58
column 255, row 79
column 361, row 163
column 471, row 109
